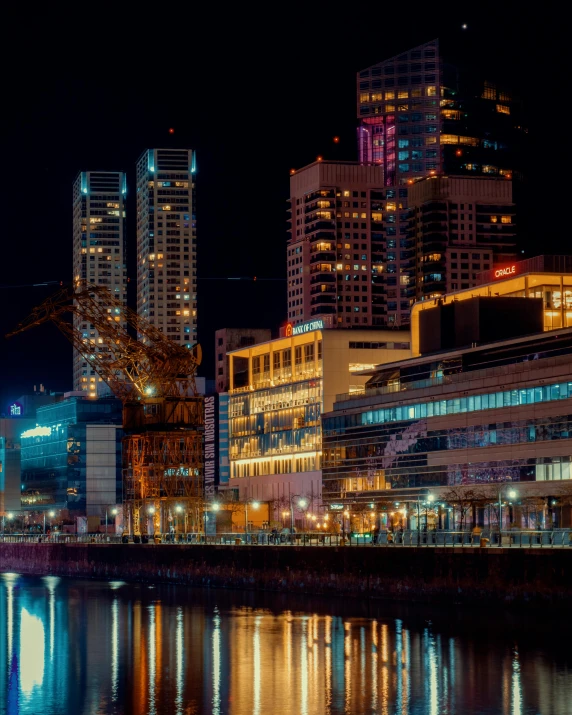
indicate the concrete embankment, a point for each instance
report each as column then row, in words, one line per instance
column 444, row 575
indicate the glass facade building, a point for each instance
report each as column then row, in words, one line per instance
column 72, row 459
column 468, row 419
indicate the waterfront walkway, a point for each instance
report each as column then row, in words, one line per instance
column 401, row 539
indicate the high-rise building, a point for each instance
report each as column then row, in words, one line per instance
column 422, row 117
column 99, row 239
column 461, row 226
column 166, row 242
column 334, row 265
column 418, row 114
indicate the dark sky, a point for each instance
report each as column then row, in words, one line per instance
column 256, row 91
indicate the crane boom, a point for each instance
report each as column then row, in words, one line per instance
column 154, row 377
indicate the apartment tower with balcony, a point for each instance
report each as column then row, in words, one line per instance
column 334, row 265
column 99, row 259
column 166, row 242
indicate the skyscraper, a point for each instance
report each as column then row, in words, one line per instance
column 98, row 256
column 334, row 267
column 166, row 242
column 421, row 117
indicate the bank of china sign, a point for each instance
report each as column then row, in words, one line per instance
column 304, row 327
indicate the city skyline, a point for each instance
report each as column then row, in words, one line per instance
column 238, row 150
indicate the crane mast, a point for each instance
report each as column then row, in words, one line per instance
column 163, row 416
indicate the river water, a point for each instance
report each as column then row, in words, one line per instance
column 77, row 647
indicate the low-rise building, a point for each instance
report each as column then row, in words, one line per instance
column 459, row 429
column 71, row 459
column 278, row 392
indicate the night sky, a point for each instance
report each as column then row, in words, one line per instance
column 256, row 93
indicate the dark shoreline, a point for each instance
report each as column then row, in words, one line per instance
column 445, row 576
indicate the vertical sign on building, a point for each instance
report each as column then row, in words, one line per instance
column 210, row 446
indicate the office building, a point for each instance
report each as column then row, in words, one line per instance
column 278, row 392
column 71, row 459
column 461, row 227
column 166, row 242
column 545, row 277
column 421, row 116
column 459, row 426
column 228, row 339
column 99, row 240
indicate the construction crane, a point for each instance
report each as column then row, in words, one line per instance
column 163, row 416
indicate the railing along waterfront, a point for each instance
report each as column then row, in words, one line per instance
column 398, row 539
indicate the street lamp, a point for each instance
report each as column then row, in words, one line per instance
column 302, row 503
column 114, row 513
column 51, row 514
column 254, row 505
column 178, row 510
column 511, row 494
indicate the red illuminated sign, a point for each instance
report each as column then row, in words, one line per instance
column 288, row 330
column 503, row 272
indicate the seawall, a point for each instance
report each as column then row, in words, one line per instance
column 443, row 575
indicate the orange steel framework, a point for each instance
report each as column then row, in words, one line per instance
column 163, row 416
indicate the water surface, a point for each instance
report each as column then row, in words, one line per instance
column 91, row 647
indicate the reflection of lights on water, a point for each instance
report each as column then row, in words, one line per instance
column 151, row 658
column 432, row 679
column 257, row 666
column 9, row 579
column 114, row 585
column 216, row 663
column 31, row 652
column 304, row 668
column 51, row 582
column 328, row 660
column 114, row 648
column 347, row 667
column 374, row 665
column 179, row 655
column 516, row 685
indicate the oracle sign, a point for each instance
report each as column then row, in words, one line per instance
column 502, row 272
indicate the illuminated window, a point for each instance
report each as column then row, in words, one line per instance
column 503, row 109
column 403, row 94
column 494, row 219
column 376, row 216
column 489, row 92
column 364, row 97
column 506, row 219
column 391, row 206
column 390, row 95
column 431, row 91
column 346, row 193
column 390, row 107
column 449, row 139
column 451, row 114
column 376, row 97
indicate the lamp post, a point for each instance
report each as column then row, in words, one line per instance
column 511, row 495
column 302, row 503
column 178, row 510
column 51, row 514
column 151, row 511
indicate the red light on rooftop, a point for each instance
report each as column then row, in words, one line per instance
column 432, row 172
column 336, row 140
column 292, row 171
column 171, row 130
column 319, row 158
column 458, row 153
